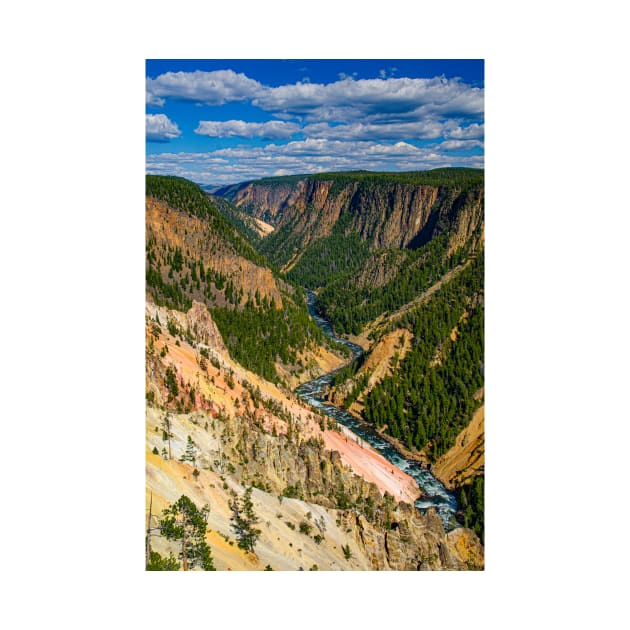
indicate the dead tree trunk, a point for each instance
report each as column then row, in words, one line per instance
column 148, row 540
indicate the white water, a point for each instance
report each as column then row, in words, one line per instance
column 435, row 494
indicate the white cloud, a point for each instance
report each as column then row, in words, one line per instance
column 273, row 129
column 386, row 99
column 473, row 131
column 458, row 145
column 380, row 119
column 212, row 88
column 159, row 128
column 230, row 165
column 351, row 99
column 427, row 129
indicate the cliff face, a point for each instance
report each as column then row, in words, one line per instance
column 266, row 202
column 385, row 214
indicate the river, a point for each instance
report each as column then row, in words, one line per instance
column 435, row 494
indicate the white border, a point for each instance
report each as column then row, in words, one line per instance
column 557, row 342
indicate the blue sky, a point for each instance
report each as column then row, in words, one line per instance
column 227, row 121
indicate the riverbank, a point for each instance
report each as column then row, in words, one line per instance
column 416, row 456
column 367, row 462
column 435, row 494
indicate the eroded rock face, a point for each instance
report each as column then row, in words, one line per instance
column 466, row 547
column 394, row 536
column 294, row 462
column 414, row 543
column 204, row 329
column 387, row 215
column 267, row 202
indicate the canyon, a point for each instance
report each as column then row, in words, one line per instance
column 229, row 338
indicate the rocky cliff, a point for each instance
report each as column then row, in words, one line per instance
column 267, row 201
column 387, row 211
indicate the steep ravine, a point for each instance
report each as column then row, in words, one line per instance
column 435, row 494
column 384, row 213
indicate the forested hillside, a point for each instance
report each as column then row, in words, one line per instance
column 431, row 396
column 193, row 253
column 234, row 450
column 370, row 241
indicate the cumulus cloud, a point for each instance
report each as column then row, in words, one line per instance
column 159, row 128
column 212, row 88
column 474, row 131
column 350, row 99
column 237, row 164
column 422, row 130
column 386, row 99
column 272, row 130
column 459, row 145
column 349, row 124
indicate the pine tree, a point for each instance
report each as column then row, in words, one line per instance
column 191, row 452
column 243, row 521
column 185, row 522
column 158, row 563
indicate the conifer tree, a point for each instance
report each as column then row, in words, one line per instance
column 191, row 452
column 184, row 522
column 243, row 520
